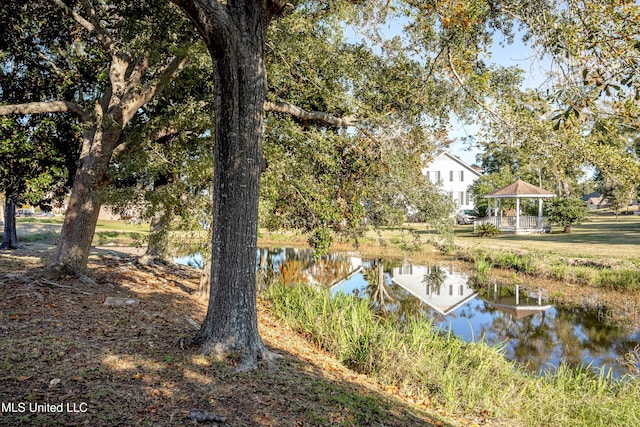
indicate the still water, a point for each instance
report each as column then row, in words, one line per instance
column 517, row 317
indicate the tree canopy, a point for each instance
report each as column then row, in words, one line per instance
column 349, row 119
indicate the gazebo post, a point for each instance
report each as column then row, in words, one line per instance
column 517, row 213
column 540, row 213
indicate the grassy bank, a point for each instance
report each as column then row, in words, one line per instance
column 602, row 252
column 442, row 370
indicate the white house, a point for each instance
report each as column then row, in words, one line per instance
column 454, row 177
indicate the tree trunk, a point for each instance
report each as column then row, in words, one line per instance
column 158, row 244
column 205, row 280
column 565, row 189
column 567, row 229
column 237, row 50
column 10, row 236
column 72, row 253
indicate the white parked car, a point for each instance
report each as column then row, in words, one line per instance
column 466, row 216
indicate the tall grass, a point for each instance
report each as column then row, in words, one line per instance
column 468, row 378
column 619, row 279
column 517, row 262
column 483, row 264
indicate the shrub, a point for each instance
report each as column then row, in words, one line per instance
column 483, row 264
column 487, row 230
column 566, row 211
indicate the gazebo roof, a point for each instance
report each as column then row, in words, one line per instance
column 520, row 189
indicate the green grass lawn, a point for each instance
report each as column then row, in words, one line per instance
column 600, row 238
column 108, row 232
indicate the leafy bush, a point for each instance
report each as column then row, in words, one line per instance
column 481, row 211
column 483, row 264
column 487, row 230
column 566, row 211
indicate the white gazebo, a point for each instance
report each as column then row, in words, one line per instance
column 518, row 224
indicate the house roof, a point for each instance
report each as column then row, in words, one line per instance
column 520, row 189
column 462, row 163
column 590, row 196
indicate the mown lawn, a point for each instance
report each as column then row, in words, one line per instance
column 601, row 238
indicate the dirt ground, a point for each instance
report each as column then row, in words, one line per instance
column 68, row 359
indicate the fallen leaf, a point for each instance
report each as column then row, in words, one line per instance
column 54, row 382
column 23, row 378
column 137, row 376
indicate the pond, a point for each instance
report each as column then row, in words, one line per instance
column 515, row 316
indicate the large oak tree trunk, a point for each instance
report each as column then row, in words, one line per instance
column 236, row 42
column 72, row 252
column 10, row 236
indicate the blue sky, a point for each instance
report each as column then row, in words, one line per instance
column 515, row 54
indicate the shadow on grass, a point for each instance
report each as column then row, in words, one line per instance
column 63, row 349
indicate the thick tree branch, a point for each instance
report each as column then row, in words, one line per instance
column 205, row 15
column 285, row 108
column 137, row 69
column 277, row 6
column 44, row 107
column 101, row 34
column 135, row 99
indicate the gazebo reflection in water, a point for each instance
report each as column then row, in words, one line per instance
column 515, row 303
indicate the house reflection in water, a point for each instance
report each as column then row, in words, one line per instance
column 516, row 304
column 443, row 289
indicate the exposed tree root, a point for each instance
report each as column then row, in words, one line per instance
column 247, row 359
column 150, row 260
column 58, row 271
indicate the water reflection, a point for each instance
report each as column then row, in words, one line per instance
column 519, row 318
column 295, row 265
column 441, row 288
column 532, row 332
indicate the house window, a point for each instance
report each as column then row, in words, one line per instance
column 437, row 177
column 461, row 197
column 461, row 176
column 468, row 202
column 450, row 175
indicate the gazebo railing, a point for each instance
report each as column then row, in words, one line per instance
column 508, row 223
